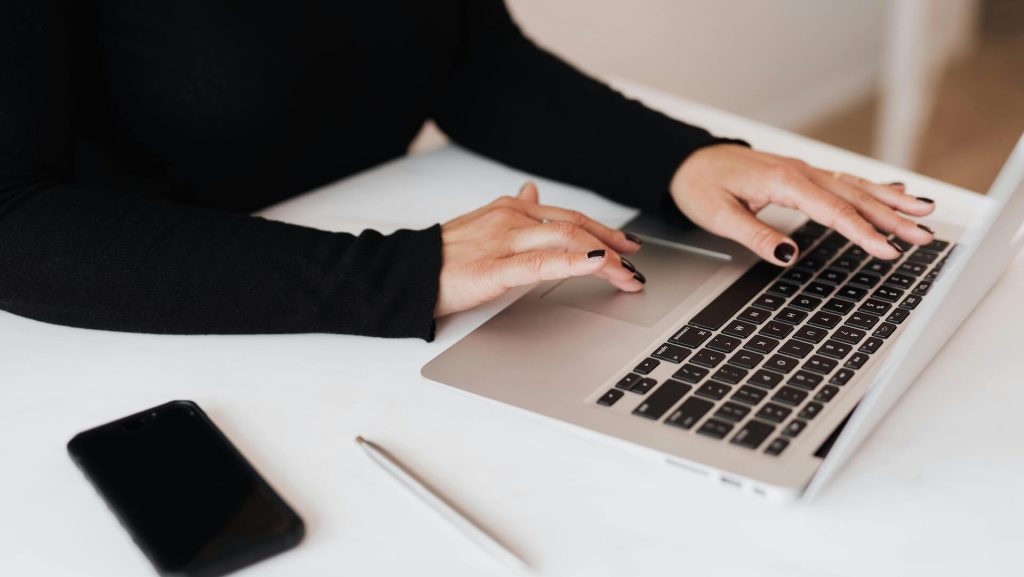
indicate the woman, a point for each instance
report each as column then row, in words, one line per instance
column 136, row 137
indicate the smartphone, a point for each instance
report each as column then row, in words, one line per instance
column 189, row 499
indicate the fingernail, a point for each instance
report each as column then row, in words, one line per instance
column 923, row 199
column 925, row 228
column 640, row 277
column 627, row 265
column 895, row 246
column 897, row 184
column 785, row 252
column 523, row 187
column 634, row 238
column 596, row 254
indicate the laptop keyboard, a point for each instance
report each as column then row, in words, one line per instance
column 766, row 357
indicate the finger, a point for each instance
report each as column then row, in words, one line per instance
column 536, row 266
column 736, row 222
column 794, row 188
column 617, row 239
column 876, row 212
column 562, row 235
column 528, row 193
column 893, row 194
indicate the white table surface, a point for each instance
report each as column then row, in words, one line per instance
column 935, row 490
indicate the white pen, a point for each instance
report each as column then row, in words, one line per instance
column 470, row 529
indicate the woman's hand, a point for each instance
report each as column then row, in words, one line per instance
column 722, row 187
column 517, row 241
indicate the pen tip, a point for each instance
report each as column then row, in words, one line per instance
column 360, row 439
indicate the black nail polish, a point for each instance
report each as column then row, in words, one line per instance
column 640, row 277
column 596, row 254
column 785, row 252
column 633, row 238
column 895, row 246
column 923, row 199
column 627, row 265
column 925, row 228
column 899, row 184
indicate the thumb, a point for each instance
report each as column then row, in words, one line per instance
column 737, row 223
column 529, row 193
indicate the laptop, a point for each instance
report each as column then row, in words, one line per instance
column 757, row 377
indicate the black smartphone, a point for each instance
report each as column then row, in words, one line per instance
column 189, row 499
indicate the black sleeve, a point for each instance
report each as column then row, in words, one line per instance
column 119, row 260
column 515, row 102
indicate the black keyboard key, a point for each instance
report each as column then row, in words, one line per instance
column 774, row 413
column 706, row 358
column 884, row 330
column 626, row 383
column 760, row 344
column 810, row 334
column 856, row 361
column 877, row 267
column 901, row 243
column 794, row 428
column 752, row 434
column 732, row 412
column 690, row 373
column 849, row 335
column 646, row 366
column 923, row 256
column 791, row 316
column 794, row 348
column 862, row 320
column 661, row 400
column 766, row 379
column 911, row 268
column 856, row 253
column 845, row 264
column 688, row 413
column 805, row 380
column 922, row 288
column 812, row 262
column 729, row 374
column 875, row 307
column 832, row 276
column 608, row 399
column 898, row 315
column 888, row 294
column 781, row 363
column 671, row 353
column 776, row 330
column 749, row 395
column 835, row 240
column 900, row 281
column 811, row 410
column 739, row 329
column 691, row 337
column 852, row 293
column 911, row 302
column 805, row 302
column 865, row 280
column 770, row 302
column 826, row 394
column 824, row 320
column 838, row 306
column 643, row 386
column 936, row 245
column 802, row 241
column 754, row 315
column 820, row 290
column 713, row 390
column 724, row 344
column 789, row 396
column 841, row 377
column 746, row 359
column 835, row 349
column 715, row 429
column 784, row 288
column 797, row 275
column 777, row 446
column 812, row 229
column 820, row 364
column 871, row 345
column 739, row 293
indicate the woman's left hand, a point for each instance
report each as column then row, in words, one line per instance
column 722, row 187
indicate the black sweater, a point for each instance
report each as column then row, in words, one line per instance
column 136, row 136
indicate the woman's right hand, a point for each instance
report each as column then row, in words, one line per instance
column 516, row 241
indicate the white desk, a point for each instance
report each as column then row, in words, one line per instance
column 934, row 491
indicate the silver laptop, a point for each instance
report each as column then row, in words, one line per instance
column 761, row 378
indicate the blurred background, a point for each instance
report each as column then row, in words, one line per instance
column 933, row 85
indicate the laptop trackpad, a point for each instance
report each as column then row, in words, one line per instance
column 673, row 273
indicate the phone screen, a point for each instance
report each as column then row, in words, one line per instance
column 188, row 497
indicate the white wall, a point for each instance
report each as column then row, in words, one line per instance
column 786, row 62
